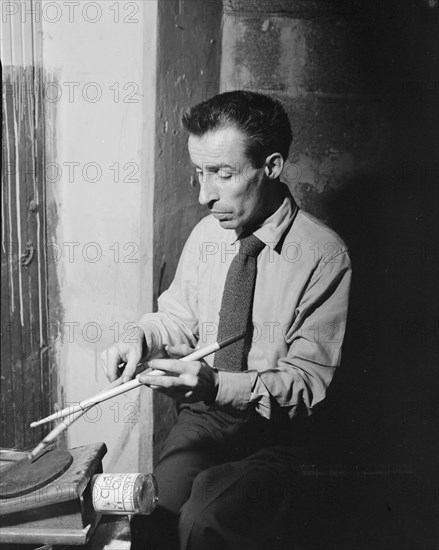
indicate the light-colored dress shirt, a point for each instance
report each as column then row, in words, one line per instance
column 299, row 310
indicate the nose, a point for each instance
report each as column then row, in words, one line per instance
column 208, row 189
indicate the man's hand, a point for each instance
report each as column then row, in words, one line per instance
column 128, row 351
column 187, row 382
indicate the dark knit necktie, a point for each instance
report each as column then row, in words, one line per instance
column 236, row 306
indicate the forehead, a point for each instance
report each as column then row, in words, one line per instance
column 221, row 146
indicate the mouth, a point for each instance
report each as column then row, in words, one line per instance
column 221, row 215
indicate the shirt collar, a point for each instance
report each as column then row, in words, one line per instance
column 274, row 227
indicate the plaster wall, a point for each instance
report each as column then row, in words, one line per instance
column 100, row 71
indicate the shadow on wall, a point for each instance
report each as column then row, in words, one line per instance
column 381, row 411
column 382, row 405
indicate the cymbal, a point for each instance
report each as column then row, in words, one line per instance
column 24, row 476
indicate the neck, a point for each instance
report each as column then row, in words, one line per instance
column 274, row 197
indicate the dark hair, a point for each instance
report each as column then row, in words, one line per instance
column 260, row 117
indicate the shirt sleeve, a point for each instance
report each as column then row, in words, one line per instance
column 176, row 321
column 299, row 380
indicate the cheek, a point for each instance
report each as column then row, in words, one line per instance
column 232, row 194
column 242, row 195
column 251, row 190
column 245, row 205
column 240, row 200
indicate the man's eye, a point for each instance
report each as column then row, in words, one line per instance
column 224, row 175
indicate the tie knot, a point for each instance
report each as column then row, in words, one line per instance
column 251, row 246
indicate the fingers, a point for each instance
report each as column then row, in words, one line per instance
column 177, row 374
column 110, row 360
column 131, row 366
column 113, row 358
column 173, row 366
column 156, row 381
column 181, row 350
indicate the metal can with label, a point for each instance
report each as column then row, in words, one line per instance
column 124, row 493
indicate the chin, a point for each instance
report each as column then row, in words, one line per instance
column 228, row 224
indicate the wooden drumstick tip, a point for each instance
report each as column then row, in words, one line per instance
column 40, row 447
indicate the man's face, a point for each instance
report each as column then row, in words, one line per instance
column 230, row 186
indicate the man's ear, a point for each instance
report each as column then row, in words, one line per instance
column 274, row 165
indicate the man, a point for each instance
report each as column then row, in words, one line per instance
column 258, row 262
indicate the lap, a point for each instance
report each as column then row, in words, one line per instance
column 231, row 504
column 196, row 442
column 220, row 470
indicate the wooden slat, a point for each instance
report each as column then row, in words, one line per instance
column 11, row 342
column 26, row 384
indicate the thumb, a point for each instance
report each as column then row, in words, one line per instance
column 130, row 368
column 180, row 350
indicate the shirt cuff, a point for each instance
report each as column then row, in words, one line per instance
column 234, row 389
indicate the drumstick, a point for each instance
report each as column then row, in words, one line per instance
column 132, row 384
column 62, row 426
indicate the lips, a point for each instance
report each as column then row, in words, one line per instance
column 220, row 215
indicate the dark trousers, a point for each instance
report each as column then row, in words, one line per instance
column 221, row 480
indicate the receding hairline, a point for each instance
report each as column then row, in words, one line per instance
column 232, row 125
column 227, row 125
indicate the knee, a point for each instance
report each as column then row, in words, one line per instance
column 199, row 526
